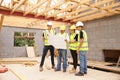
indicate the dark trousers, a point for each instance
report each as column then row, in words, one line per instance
column 74, row 57
column 45, row 50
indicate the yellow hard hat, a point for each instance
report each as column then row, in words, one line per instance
column 62, row 28
column 73, row 27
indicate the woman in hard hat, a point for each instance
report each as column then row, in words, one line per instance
column 73, row 47
column 62, row 52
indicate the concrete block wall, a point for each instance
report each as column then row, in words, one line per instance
column 103, row 34
column 7, row 42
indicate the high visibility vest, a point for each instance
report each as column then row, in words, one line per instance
column 73, row 46
column 46, row 34
column 84, row 46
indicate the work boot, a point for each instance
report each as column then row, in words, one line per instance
column 79, row 74
column 73, row 70
column 57, row 69
column 53, row 67
column 64, row 70
column 85, row 72
column 41, row 68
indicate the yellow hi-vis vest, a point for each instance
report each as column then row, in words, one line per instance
column 84, row 46
column 46, row 34
column 73, row 46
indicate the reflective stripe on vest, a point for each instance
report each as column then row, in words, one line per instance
column 73, row 46
column 84, row 46
column 46, row 34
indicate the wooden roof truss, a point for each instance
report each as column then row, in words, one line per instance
column 67, row 10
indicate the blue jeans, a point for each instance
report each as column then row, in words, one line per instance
column 62, row 57
column 83, row 62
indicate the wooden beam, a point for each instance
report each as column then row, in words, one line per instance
column 12, row 4
column 63, row 10
column 25, row 5
column 70, row 7
column 36, row 6
column 1, row 2
column 98, row 15
column 20, row 77
column 57, row 5
column 1, row 20
column 47, row 5
column 17, row 61
column 17, row 6
column 91, row 6
column 95, row 16
column 114, row 11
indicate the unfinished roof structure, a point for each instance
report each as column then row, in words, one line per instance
column 69, row 11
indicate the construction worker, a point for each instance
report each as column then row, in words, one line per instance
column 47, row 46
column 73, row 47
column 82, row 49
column 62, row 53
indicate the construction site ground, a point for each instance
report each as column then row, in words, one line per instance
column 28, row 70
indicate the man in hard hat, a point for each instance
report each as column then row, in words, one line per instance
column 62, row 52
column 47, row 46
column 73, row 47
column 82, row 49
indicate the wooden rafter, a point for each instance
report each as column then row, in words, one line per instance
column 17, row 6
column 89, row 7
column 107, row 8
column 84, row 10
column 1, row 20
column 1, row 2
column 48, row 9
column 47, row 5
column 63, row 10
column 70, row 7
column 25, row 5
column 113, row 12
column 96, row 16
column 36, row 6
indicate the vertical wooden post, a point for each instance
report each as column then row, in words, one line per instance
column 1, row 20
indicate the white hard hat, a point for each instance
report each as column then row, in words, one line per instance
column 49, row 23
column 79, row 24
